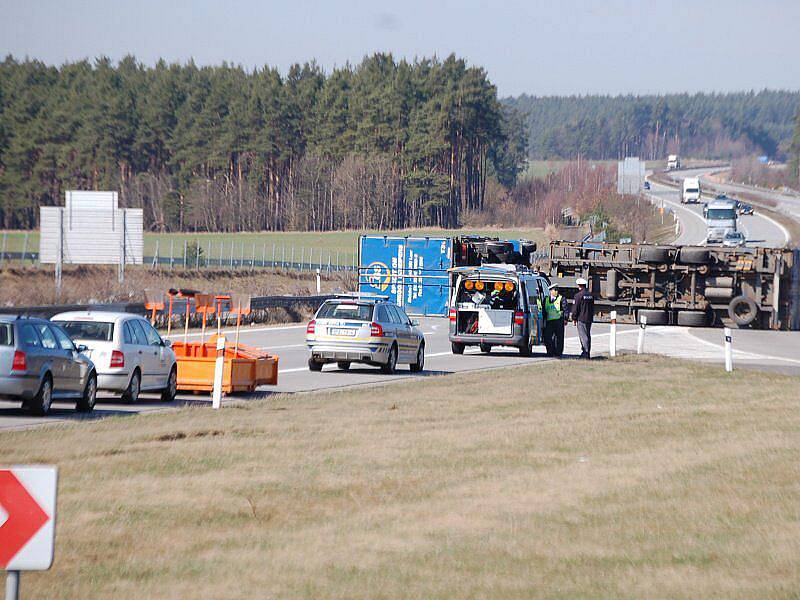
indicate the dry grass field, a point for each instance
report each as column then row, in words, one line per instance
column 641, row 477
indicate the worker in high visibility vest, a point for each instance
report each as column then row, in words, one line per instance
column 554, row 324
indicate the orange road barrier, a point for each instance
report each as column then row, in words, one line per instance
column 154, row 302
column 244, row 369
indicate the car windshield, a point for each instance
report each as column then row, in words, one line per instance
column 6, row 334
column 89, row 330
column 346, row 310
column 734, row 236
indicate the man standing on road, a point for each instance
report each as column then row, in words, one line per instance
column 583, row 315
column 554, row 325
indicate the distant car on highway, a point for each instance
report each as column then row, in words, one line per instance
column 745, row 209
column 128, row 352
column 647, row 185
column 734, row 239
column 39, row 363
column 364, row 328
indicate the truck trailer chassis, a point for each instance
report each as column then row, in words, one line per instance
column 684, row 285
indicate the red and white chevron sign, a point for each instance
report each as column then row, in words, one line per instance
column 27, row 517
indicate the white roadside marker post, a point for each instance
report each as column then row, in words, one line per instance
column 216, row 397
column 728, row 351
column 612, row 340
column 319, row 287
column 642, row 327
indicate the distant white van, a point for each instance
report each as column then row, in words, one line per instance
column 691, row 190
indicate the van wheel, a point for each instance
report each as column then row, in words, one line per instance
column 86, row 403
column 486, row 348
column 40, row 405
column 314, row 365
column 457, row 348
column 169, row 392
column 134, row 387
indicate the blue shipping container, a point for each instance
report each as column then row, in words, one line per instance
column 412, row 271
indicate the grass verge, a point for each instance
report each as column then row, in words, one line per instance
column 637, row 477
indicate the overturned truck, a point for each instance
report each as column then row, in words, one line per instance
column 684, row 285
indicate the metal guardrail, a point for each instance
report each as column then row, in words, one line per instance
column 179, row 308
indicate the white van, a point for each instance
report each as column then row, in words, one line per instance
column 690, row 192
column 129, row 355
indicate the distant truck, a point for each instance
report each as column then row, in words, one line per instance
column 721, row 218
column 673, row 162
column 691, row 190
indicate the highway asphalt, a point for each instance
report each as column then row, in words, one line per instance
column 757, row 349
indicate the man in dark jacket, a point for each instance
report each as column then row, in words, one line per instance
column 583, row 315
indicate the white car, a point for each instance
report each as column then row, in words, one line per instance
column 129, row 355
column 734, row 239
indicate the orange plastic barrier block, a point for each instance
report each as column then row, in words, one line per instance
column 242, row 371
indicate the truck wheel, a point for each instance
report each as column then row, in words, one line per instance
column 654, row 254
column 314, row 365
column 654, row 317
column 457, row 348
column 486, row 348
column 693, row 256
column 692, row 318
column 742, row 310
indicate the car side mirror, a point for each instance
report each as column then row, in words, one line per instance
column 81, row 348
column 415, row 322
column 166, row 343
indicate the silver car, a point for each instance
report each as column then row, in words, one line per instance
column 39, row 363
column 130, row 355
column 364, row 329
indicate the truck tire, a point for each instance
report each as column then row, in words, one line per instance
column 692, row 318
column 693, row 256
column 742, row 311
column 654, row 317
column 654, row 254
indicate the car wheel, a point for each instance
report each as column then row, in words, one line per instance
column 457, row 348
column 86, row 402
column 486, row 348
column 344, row 365
column 391, row 361
column 40, row 405
column 417, row 366
column 169, row 392
column 134, row 387
column 314, row 365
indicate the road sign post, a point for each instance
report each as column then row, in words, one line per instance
column 27, row 536
column 612, row 340
column 728, row 350
column 642, row 328
column 216, row 395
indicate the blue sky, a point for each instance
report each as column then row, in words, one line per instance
column 554, row 47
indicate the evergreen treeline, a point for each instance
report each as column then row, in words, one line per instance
column 702, row 125
column 383, row 144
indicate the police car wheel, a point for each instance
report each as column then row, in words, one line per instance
column 417, row 366
column 391, row 361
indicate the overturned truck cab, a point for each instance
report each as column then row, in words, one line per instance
column 684, row 285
